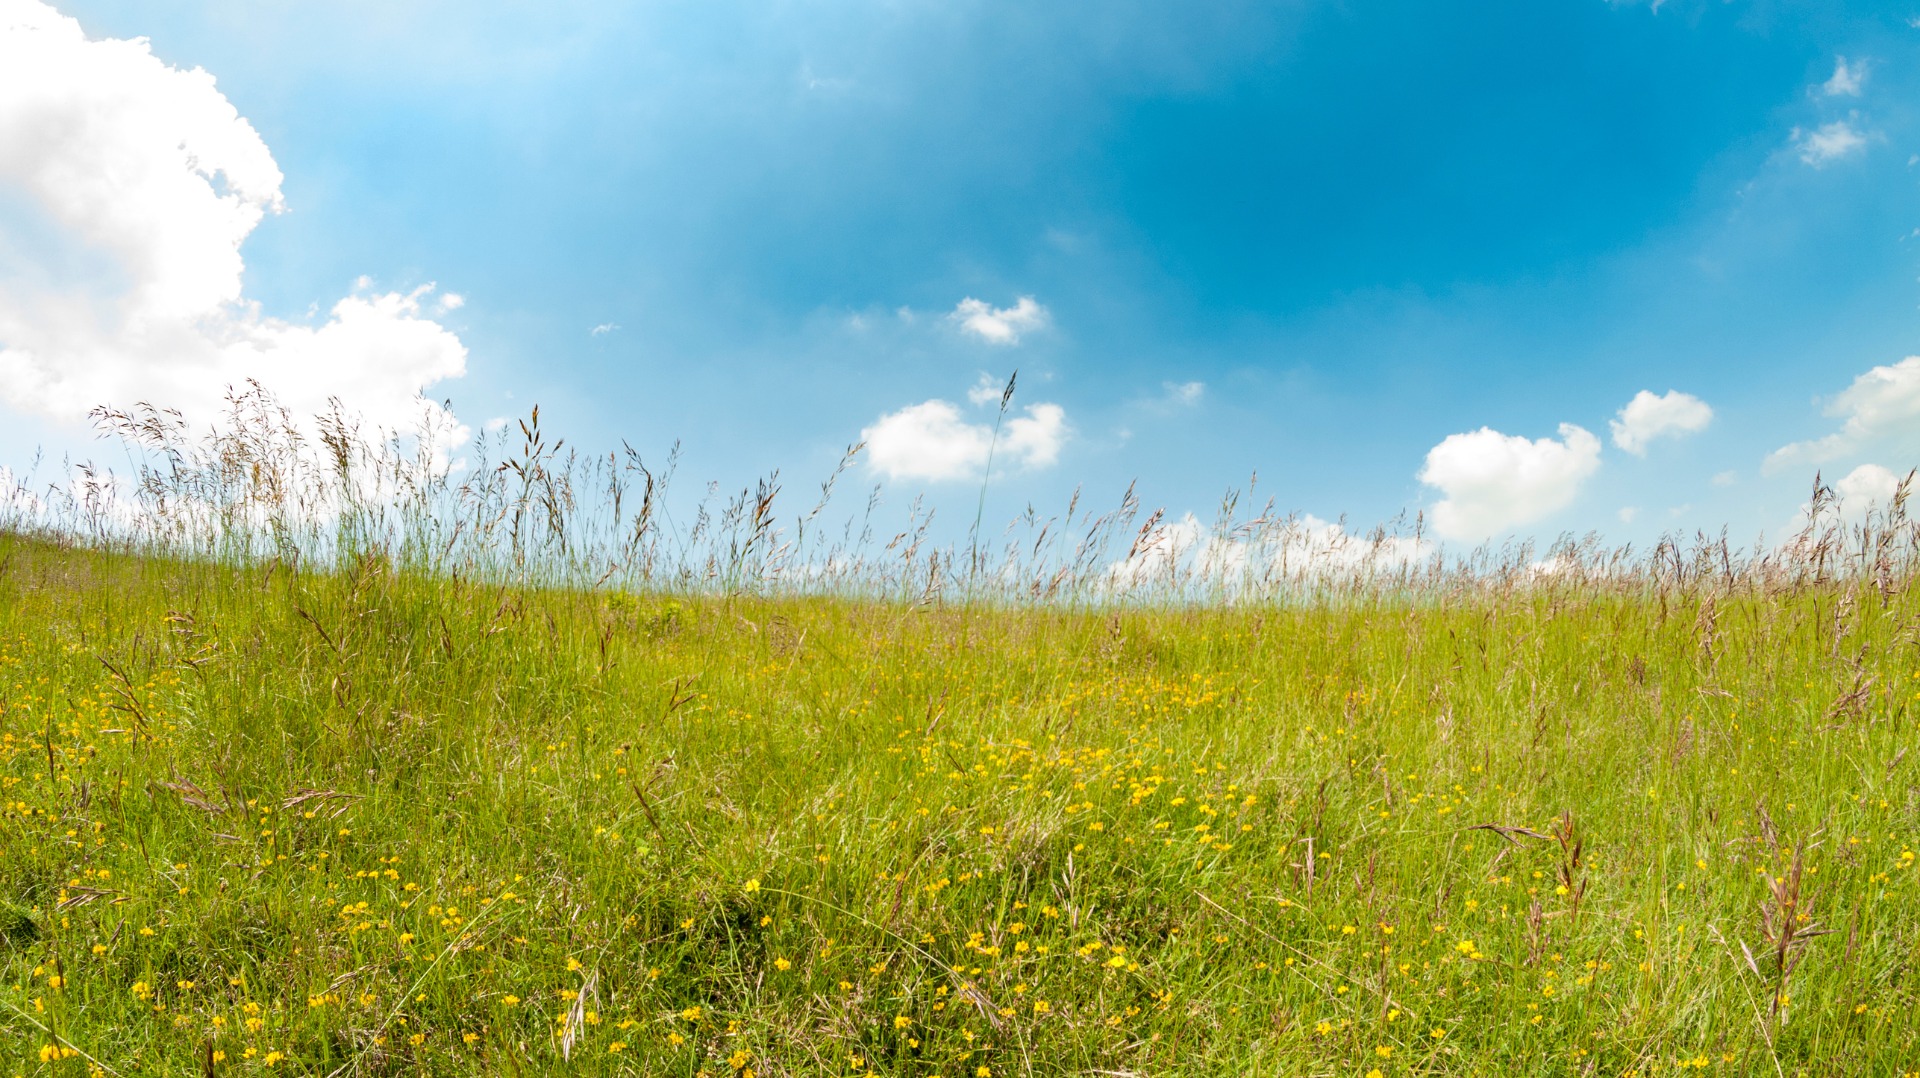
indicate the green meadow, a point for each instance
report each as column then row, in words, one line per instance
column 358, row 816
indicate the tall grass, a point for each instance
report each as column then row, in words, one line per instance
column 524, row 508
column 320, row 755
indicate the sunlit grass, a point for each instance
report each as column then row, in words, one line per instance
column 367, row 820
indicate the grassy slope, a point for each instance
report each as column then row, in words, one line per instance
column 824, row 837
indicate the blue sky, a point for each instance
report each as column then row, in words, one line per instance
column 1358, row 229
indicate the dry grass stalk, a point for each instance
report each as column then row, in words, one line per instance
column 1787, row 925
column 1571, row 871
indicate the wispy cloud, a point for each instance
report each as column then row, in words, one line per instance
column 987, row 389
column 1847, row 80
column 603, row 329
column 1829, row 142
column 1186, row 394
column 817, row 83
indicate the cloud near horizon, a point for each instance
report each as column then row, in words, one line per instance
column 1297, row 548
column 1491, row 482
column 1866, row 489
column 932, row 441
column 127, row 188
column 1879, row 405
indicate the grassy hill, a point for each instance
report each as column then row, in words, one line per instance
column 364, row 820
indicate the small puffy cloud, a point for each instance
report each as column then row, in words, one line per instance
column 1829, row 142
column 934, row 441
column 122, row 282
column 603, row 329
column 1035, row 438
column 1184, row 393
column 999, row 325
column 1647, row 417
column 495, row 425
column 451, row 301
column 1629, row 513
column 1847, row 79
column 1491, row 482
column 1882, row 402
column 1726, row 478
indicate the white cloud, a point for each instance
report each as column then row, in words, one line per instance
column 603, row 329
column 136, row 183
column 1185, row 393
column 1492, row 481
column 1829, row 143
column 1726, row 478
column 999, row 325
column 1882, row 402
column 1867, row 488
column 495, row 425
column 1035, row 438
column 1629, row 513
column 932, row 441
column 1647, row 417
column 1847, row 78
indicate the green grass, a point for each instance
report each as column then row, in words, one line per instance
column 372, row 822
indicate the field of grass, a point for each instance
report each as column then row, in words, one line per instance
column 364, row 820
